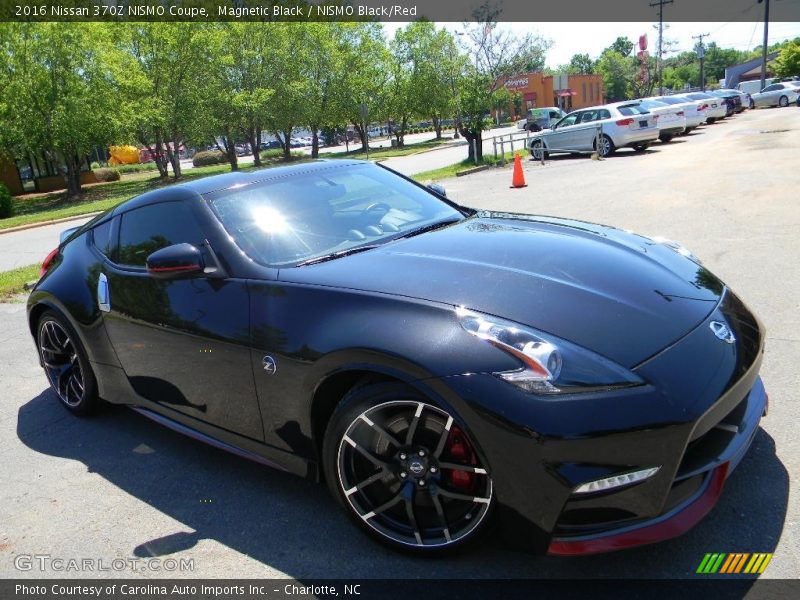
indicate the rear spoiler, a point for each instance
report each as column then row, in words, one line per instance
column 64, row 235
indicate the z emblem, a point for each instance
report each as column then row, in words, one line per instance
column 270, row 367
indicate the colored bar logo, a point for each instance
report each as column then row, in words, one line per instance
column 735, row 562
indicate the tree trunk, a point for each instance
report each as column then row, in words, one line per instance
column 315, row 142
column 437, row 126
column 230, row 151
column 287, row 145
column 255, row 146
column 174, row 158
column 73, row 176
column 362, row 134
column 474, row 144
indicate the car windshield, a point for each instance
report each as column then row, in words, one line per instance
column 650, row 104
column 699, row 96
column 324, row 214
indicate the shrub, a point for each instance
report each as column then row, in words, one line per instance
column 208, row 157
column 106, row 174
column 6, row 204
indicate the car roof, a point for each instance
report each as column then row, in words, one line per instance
column 206, row 185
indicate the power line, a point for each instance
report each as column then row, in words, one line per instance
column 660, row 5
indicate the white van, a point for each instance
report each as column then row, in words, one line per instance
column 753, row 87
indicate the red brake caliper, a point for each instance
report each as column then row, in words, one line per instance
column 460, row 451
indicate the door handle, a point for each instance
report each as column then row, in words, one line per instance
column 103, row 296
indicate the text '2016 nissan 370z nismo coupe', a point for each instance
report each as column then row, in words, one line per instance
column 581, row 388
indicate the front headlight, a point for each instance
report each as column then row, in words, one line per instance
column 549, row 365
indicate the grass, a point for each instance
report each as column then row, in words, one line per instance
column 460, row 167
column 378, row 153
column 102, row 196
column 12, row 282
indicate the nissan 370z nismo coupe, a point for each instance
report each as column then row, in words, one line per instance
column 581, row 388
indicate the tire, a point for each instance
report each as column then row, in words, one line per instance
column 783, row 101
column 66, row 364
column 606, row 146
column 640, row 147
column 405, row 472
column 537, row 148
column 665, row 139
column 752, row 105
column 710, row 120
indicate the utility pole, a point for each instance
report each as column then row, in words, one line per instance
column 766, row 41
column 701, row 54
column 660, row 4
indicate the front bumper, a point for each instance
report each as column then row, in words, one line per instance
column 695, row 419
column 681, row 518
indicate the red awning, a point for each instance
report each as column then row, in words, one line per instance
column 562, row 93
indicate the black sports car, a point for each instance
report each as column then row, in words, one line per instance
column 585, row 388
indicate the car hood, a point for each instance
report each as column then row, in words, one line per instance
column 617, row 293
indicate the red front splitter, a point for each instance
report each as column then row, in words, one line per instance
column 674, row 526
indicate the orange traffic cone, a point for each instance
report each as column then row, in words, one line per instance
column 518, row 179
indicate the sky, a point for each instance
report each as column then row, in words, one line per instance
column 592, row 38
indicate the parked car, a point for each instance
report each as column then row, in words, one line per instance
column 716, row 109
column 694, row 111
column 733, row 102
column 744, row 98
column 270, row 145
column 242, row 149
column 753, row 87
column 543, row 118
column 670, row 120
column 333, row 320
column 623, row 124
column 777, row 94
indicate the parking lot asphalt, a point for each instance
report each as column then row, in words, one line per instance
column 118, row 486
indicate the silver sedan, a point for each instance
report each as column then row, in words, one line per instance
column 777, row 94
column 599, row 128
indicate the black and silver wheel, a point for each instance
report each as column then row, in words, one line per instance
column 537, row 149
column 783, row 101
column 640, row 147
column 666, row 138
column 605, row 147
column 66, row 365
column 405, row 471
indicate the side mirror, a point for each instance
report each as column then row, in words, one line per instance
column 438, row 189
column 173, row 261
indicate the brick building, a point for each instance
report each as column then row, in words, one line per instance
column 569, row 92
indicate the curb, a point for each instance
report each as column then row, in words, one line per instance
column 473, row 170
column 45, row 223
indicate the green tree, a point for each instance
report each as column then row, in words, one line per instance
column 581, row 64
column 617, row 72
column 60, row 93
column 622, row 46
column 167, row 84
column 433, row 57
column 788, row 61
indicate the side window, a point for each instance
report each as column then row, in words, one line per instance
column 101, row 237
column 603, row 114
column 771, row 88
column 568, row 120
column 587, row 116
column 144, row 230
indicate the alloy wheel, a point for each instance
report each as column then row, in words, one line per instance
column 412, row 475
column 61, row 363
column 536, row 150
column 605, row 146
column 784, row 101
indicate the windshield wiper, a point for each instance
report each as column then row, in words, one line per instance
column 427, row 228
column 335, row 255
